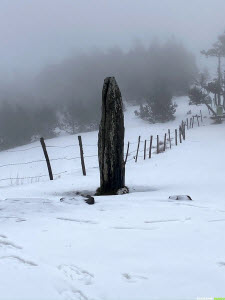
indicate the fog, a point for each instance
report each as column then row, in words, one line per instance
column 37, row 32
column 56, row 52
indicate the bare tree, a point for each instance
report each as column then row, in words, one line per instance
column 217, row 50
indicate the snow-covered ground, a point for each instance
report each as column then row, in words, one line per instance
column 136, row 246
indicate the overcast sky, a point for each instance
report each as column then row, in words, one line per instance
column 37, row 32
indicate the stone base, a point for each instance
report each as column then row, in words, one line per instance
column 121, row 191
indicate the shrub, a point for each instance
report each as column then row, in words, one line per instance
column 159, row 107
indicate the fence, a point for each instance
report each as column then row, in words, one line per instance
column 154, row 145
column 49, row 159
column 169, row 139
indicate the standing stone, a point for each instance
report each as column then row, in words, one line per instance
column 111, row 139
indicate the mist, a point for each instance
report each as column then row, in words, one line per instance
column 39, row 32
column 55, row 56
column 67, row 95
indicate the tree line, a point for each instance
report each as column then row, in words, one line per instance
column 67, row 96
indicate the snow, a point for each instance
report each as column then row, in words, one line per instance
column 141, row 245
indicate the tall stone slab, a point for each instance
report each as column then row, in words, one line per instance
column 111, row 139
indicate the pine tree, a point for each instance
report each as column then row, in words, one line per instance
column 159, row 107
column 217, row 50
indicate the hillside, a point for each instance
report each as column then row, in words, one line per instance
column 136, row 246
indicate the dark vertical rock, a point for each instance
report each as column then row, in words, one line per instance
column 111, row 139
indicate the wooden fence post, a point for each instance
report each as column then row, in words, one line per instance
column 128, row 146
column 182, row 128
column 150, row 147
column 145, row 150
column 197, row 120
column 201, row 115
column 169, row 137
column 82, row 155
column 183, row 132
column 157, row 144
column 139, row 139
column 164, row 148
column 47, row 158
column 176, row 137
column 180, row 134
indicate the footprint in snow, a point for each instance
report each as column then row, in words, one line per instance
column 75, row 273
column 168, row 220
column 3, row 236
column 77, row 220
column 133, row 228
column 20, row 220
column 13, row 218
column 8, row 244
column 217, row 220
column 133, row 278
column 73, row 294
column 20, row 260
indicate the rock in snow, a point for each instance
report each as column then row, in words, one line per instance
column 180, row 197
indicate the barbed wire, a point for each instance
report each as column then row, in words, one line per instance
column 131, row 157
column 130, row 152
column 68, row 146
column 90, row 155
column 64, row 158
column 133, row 143
column 20, row 178
column 93, row 145
column 22, row 150
column 62, row 147
column 48, row 146
column 37, row 161
column 31, row 177
column 43, row 160
column 23, row 163
column 61, row 158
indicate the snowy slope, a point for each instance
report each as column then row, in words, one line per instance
column 135, row 246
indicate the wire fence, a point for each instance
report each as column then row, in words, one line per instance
column 148, row 147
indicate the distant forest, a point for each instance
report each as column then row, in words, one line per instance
column 67, row 96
